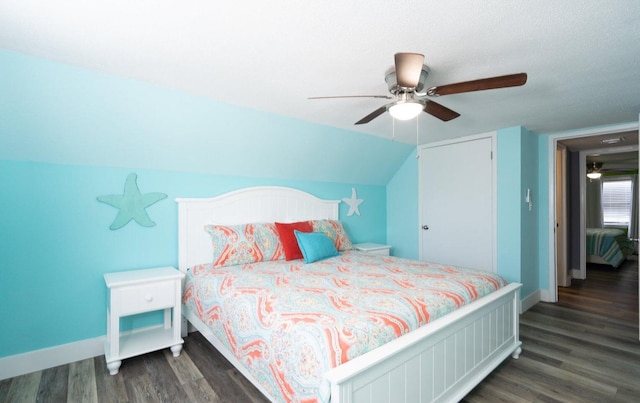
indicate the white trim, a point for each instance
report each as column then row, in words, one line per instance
column 562, row 244
column 494, row 179
column 551, row 294
column 544, row 295
column 37, row 360
column 530, row 300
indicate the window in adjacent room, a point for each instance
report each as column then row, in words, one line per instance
column 616, row 201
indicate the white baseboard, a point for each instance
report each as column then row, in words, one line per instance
column 32, row 361
column 529, row 301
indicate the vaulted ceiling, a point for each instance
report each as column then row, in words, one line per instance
column 581, row 57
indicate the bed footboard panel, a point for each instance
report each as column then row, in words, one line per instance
column 439, row 365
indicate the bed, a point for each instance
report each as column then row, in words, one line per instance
column 439, row 360
column 609, row 246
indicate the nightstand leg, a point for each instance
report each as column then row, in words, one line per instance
column 114, row 367
column 113, row 334
column 176, row 349
column 167, row 318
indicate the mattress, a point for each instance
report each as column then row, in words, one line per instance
column 290, row 322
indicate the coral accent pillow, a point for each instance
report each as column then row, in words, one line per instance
column 242, row 244
column 334, row 230
column 288, row 238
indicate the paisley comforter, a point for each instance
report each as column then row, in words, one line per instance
column 290, row 322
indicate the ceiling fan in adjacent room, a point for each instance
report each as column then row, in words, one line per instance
column 406, row 84
column 593, row 171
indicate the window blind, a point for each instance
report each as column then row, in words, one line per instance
column 616, row 201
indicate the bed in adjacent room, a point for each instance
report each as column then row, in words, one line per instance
column 329, row 323
column 609, row 246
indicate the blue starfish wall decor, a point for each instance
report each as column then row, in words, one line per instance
column 132, row 204
column 353, row 203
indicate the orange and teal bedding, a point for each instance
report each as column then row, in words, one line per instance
column 290, row 322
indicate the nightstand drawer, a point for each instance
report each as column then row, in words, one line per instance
column 143, row 298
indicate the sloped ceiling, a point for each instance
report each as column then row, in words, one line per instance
column 581, row 57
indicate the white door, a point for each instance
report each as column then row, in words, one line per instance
column 457, row 203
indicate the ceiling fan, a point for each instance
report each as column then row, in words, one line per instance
column 593, row 172
column 406, row 84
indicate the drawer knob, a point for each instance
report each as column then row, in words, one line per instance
column 149, row 298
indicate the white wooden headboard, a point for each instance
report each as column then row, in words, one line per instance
column 251, row 205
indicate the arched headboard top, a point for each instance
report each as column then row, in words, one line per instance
column 260, row 204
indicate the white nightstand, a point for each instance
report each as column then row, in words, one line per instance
column 375, row 248
column 139, row 291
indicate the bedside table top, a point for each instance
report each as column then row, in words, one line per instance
column 141, row 276
column 367, row 246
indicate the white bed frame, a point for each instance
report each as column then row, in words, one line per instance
column 441, row 361
column 597, row 259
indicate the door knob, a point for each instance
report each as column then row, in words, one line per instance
column 425, row 227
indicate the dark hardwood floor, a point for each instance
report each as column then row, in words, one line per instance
column 585, row 348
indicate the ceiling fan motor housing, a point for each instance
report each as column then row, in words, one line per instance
column 395, row 89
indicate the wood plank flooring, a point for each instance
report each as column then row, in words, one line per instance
column 585, row 348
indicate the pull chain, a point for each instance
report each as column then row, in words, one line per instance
column 417, row 137
column 393, row 130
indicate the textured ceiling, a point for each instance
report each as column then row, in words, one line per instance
column 605, row 149
column 614, row 140
column 582, row 57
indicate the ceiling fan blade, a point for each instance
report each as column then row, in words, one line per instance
column 441, row 112
column 354, row 96
column 511, row 80
column 408, row 69
column 372, row 115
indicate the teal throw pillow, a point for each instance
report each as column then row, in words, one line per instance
column 315, row 246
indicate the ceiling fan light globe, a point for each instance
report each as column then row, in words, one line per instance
column 594, row 175
column 406, row 110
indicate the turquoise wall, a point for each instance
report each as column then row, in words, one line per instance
column 517, row 225
column 509, row 143
column 402, row 210
column 543, row 211
column 529, row 229
column 50, row 112
column 56, row 241
column 68, row 135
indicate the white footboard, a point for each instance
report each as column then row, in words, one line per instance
column 440, row 362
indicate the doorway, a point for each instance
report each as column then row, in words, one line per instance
column 588, row 139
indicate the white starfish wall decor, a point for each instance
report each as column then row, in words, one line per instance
column 353, row 203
